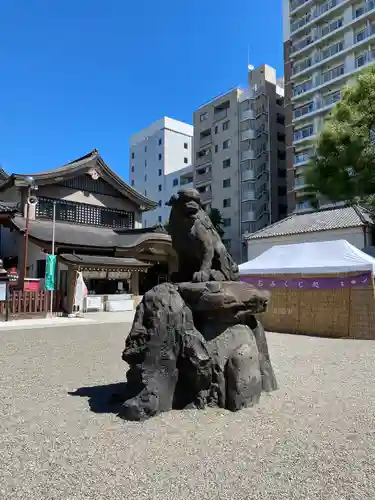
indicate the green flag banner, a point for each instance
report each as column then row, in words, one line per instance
column 50, row 272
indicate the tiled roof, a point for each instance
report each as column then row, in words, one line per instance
column 89, row 236
column 101, row 260
column 3, row 174
column 321, row 220
column 76, row 167
column 8, row 207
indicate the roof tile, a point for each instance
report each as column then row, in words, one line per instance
column 321, row 220
column 88, row 236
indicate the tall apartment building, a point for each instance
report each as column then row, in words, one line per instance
column 160, row 162
column 326, row 43
column 239, row 156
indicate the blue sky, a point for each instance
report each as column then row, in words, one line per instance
column 84, row 74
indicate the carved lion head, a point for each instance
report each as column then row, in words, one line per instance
column 186, row 201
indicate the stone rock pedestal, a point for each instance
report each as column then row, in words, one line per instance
column 194, row 345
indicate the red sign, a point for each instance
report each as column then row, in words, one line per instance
column 31, row 286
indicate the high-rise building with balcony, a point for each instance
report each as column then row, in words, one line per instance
column 239, row 156
column 326, row 43
column 160, row 163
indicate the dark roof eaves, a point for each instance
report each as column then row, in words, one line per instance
column 115, row 243
column 277, row 235
column 6, row 182
column 78, row 259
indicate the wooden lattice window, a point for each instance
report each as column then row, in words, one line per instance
column 83, row 213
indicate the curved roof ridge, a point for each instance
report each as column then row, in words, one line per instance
column 76, row 166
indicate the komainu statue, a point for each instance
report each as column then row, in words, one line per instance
column 195, row 341
column 201, row 253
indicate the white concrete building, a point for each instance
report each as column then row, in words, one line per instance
column 160, row 163
column 353, row 224
column 326, row 43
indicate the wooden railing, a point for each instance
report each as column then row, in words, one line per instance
column 22, row 303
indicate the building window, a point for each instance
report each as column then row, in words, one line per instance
column 359, row 11
column 303, row 132
column 175, row 182
column 361, row 35
column 41, row 268
column 160, row 172
column 216, row 129
column 222, row 107
column 360, row 60
column 280, row 137
column 159, row 203
column 132, row 168
column 226, row 203
column 146, row 178
column 159, row 219
column 203, row 154
column 145, row 149
column 205, row 135
column 83, row 213
column 145, row 163
column 160, row 156
column 159, row 187
column 203, row 117
column 226, row 183
column 133, row 155
column 186, row 145
column 185, row 160
column 226, row 163
column 145, row 192
column 227, row 222
column 132, row 182
column 216, row 148
column 226, row 125
column 227, row 144
column 160, row 142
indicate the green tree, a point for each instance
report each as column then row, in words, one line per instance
column 217, row 220
column 343, row 167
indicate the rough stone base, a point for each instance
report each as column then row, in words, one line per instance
column 225, row 362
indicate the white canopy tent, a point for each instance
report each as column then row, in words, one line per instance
column 321, row 257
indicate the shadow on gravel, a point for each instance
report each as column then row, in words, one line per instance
column 102, row 398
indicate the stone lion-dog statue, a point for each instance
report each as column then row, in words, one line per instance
column 201, row 254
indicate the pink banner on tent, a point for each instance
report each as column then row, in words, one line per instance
column 359, row 280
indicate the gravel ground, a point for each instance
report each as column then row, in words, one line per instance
column 312, row 439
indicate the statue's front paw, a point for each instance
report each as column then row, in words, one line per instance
column 201, row 276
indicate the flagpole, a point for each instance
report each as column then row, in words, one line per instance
column 53, row 250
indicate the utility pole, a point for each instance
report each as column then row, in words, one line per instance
column 53, row 250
